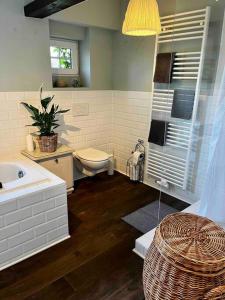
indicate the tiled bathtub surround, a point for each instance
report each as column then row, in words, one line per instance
column 32, row 219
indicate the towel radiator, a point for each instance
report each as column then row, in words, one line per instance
column 173, row 161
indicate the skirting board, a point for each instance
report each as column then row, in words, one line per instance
column 35, row 252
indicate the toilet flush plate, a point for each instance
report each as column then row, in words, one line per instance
column 80, row 109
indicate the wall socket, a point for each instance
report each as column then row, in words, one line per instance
column 80, row 109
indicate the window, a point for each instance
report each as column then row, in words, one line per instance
column 64, row 57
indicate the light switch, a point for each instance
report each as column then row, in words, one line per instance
column 80, row 109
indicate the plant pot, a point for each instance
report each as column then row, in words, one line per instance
column 48, row 143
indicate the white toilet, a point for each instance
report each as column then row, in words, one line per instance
column 90, row 161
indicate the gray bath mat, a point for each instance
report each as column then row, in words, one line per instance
column 146, row 218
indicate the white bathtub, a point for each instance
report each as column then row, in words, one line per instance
column 17, row 174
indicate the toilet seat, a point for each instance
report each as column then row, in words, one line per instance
column 91, row 154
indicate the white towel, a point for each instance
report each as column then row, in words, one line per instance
column 135, row 157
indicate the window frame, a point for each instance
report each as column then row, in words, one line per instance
column 74, row 56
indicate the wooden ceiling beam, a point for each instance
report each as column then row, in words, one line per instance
column 44, row 8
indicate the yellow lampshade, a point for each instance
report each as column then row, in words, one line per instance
column 142, row 18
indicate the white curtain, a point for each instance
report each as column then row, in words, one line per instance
column 213, row 195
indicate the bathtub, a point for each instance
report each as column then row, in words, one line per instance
column 17, row 174
column 33, row 210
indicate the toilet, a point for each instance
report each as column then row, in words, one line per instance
column 91, row 161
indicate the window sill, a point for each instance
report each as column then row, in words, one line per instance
column 65, row 74
column 70, row 88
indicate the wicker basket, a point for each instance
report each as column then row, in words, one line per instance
column 186, row 260
column 48, row 143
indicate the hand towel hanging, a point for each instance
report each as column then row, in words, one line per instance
column 164, row 67
column 183, row 103
column 158, row 132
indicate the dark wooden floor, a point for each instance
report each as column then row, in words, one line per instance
column 97, row 262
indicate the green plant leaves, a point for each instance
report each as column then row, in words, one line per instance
column 45, row 120
column 45, row 102
column 31, row 108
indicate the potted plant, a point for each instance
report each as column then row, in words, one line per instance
column 46, row 121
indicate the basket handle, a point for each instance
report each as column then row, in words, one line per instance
column 216, row 293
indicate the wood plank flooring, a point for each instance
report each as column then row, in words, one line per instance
column 97, row 262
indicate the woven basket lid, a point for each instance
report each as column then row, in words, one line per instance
column 192, row 243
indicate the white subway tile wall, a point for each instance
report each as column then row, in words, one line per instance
column 131, row 117
column 94, row 130
column 115, row 121
column 12, row 120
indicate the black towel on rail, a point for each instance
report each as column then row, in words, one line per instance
column 183, row 103
column 158, row 132
column 164, row 67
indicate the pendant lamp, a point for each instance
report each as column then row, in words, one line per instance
column 142, row 18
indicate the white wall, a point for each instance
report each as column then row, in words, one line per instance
column 99, row 13
column 78, row 132
column 66, row 31
column 131, row 117
column 24, row 51
column 101, row 58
